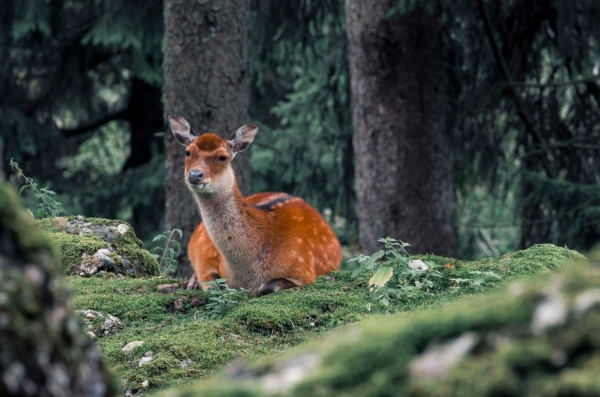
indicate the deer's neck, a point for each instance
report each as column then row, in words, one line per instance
column 229, row 222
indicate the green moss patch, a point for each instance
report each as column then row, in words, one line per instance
column 90, row 245
column 187, row 343
column 539, row 337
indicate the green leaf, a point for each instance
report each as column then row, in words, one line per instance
column 381, row 276
column 385, row 301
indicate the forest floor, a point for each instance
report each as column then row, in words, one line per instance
column 190, row 335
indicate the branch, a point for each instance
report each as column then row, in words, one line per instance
column 557, row 84
column 537, row 137
column 98, row 123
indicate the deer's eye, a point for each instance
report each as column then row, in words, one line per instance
column 187, row 153
column 222, row 159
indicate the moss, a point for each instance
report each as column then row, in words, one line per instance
column 272, row 324
column 44, row 350
column 77, row 237
column 510, row 356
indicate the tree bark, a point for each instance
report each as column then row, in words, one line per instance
column 206, row 81
column 403, row 169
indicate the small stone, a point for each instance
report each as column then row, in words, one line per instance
column 103, row 251
column 145, row 360
column 586, row 300
column 111, row 325
column 91, row 334
column 128, row 348
column 438, row 359
column 179, row 304
column 550, row 313
column 90, row 315
column 145, row 384
column 285, row 376
column 417, row 264
column 149, row 353
column 122, row 228
column 168, row 288
column 186, row 362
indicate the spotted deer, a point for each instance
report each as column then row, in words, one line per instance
column 264, row 242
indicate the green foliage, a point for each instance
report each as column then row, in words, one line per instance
column 69, row 96
column 392, row 278
column 171, row 248
column 395, row 276
column 102, row 155
column 47, row 207
column 221, row 297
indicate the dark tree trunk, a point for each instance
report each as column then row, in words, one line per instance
column 144, row 115
column 206, row 81
column 403, row 170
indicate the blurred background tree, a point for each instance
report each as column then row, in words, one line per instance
column 80, row 111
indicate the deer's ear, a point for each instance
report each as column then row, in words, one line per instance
column 243, row 138
column 181, row 129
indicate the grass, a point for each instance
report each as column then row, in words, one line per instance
column 176, row 327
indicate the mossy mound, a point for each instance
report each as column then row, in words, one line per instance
column 539, row 337
column 43, row 350
column 92, row 245
column 189, row 342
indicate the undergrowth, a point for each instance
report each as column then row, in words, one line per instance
column 178, row 327
column 395, row 277
column 47, row 206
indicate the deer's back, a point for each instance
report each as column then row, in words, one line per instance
column 296, row 243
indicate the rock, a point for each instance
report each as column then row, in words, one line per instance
column 90, row 246
column 111, row 325
column 122, row 228
column 186, row 362
column 586, row 301
column 145, row 384
column 179, row 304
column 439, row 358
column 45, row 352
column 146, row 359
column 167, row 288
column 417, row 264
column 128, row 348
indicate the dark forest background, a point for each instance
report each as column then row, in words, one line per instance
column 476, row 124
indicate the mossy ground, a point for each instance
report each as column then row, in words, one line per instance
column 72, row 246
column 265, row 326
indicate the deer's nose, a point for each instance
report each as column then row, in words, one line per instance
column 195, row 176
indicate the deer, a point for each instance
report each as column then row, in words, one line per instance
column 263, row 243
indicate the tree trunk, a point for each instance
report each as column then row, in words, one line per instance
column 403, row 170
column 206, row 81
